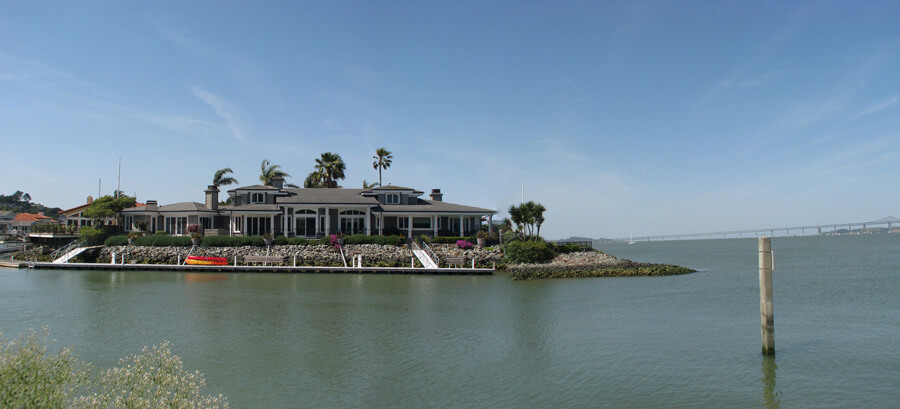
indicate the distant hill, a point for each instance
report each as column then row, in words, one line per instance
column 577, row 238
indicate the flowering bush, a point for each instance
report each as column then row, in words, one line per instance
column 336, row 239
column 464, row 244
column 31, row 376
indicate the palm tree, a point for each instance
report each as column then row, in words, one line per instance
column 269, row 173
column 314, row 179
column 370, row 185
column 330, row 167
column 382, row 161
column 219, row 178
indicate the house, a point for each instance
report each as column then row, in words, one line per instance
column 314, row 212
column 23, row 221
column 6, row 219
column 75, row 215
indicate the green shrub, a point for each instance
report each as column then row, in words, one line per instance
column 31, row 376
column 528, row 252
column 162, row 240
column 280, row 241
column 232, row 241
column 116, row 241
column 92, row 236
column 570, row 248
column 300, row 241
column 452, row 239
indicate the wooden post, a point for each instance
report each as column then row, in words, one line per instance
column 766, row 308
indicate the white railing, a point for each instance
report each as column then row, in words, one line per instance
column 423, row 257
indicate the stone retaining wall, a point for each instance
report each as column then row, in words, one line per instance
column 372, row 254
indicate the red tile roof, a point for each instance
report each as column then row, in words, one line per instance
column 29, row 217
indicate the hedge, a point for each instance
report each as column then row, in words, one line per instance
column 453, row 239
column 528, row 252
column 162, row 240
column 116, row 240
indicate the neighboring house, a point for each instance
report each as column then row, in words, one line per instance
column 23, row 221
column 6, row 219
column 75, row 215
column 298, row 212
column 172, row 219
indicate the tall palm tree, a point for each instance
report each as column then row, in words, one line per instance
column 314, row 179
column 269, row 172
column 382, row 161
column 330, row 167
column 219, row 178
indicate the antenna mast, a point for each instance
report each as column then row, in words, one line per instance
column 119, row 182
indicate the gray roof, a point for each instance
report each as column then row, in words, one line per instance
column 254, row 187
column 432, row 206
column 142, row 209
column 255, row 207
column 184, row 207
column 392, row 187
column 322, row 196
column 7, row 214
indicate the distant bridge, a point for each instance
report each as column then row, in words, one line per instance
column 835, row 228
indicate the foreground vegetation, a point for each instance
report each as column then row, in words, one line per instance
column 33, row 375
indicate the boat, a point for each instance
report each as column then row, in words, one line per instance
column 206, row 261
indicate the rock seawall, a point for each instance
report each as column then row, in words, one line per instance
column 373, row 255
column 591, row 264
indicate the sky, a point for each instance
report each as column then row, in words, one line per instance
column 632, row 117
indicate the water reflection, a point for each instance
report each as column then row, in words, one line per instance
column 771, row 397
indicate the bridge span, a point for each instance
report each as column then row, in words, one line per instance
column 834, row 228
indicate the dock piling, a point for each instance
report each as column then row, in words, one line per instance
column 766, row 307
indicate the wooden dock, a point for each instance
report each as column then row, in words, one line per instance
column 251, row 269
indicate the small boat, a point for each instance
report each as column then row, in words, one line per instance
column 206, row 261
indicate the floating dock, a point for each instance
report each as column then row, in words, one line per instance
column 250, row 269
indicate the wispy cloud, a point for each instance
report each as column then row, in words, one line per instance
column 225, row 109
column 875, row 108
column 749, row 81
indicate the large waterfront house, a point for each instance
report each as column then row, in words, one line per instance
column 313, row 212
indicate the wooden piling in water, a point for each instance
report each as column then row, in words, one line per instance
column 766, row 307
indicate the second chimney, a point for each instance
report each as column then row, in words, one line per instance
column 436, row 195
column 212, row 197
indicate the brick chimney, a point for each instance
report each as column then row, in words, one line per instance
column 90, row 199
column 278, row 182
column 436, row 195
column 212, row 197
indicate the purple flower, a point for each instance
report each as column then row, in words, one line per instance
column 464, row 244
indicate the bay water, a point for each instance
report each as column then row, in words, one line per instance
column 327, row 341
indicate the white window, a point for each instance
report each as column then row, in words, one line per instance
column 129, row 221
column 402, row 222
column 392, row 198
column 206, row 223
column 257, row 198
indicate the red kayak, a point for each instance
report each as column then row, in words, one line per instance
column 206, row 261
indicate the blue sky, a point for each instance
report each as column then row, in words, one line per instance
column 623, row 117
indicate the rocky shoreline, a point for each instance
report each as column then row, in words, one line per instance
column 591, row 264
column 373, row 255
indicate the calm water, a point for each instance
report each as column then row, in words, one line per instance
column 285, row 341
